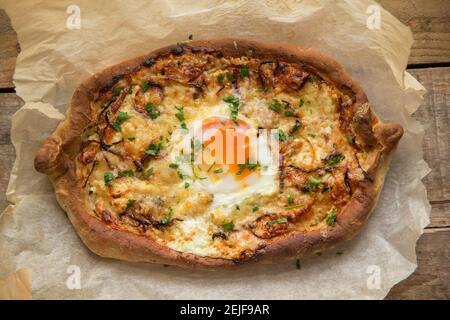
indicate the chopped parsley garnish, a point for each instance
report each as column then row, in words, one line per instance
column 152, row 111
column 121, row 118
column 149, row 172
column 290, row 199
column 281, row 136
column 255, row 209
column 296, row 127
column 167, row 217
column 228, row 226
column 186, row 185
column 279, row 221
column 130, row 90
column 180, row 175
column 116, row 91
column 130, row 203
column 312, row 135
column 275, row 106
column 108, row 177
column 294, row 206
column 220, row 78
column 145, row 86
column 288, row 113
column 174, row 165
column 234, row 106
column 334, row 158
column 238, row 207
column 230, row 77
column 349, row 139
column 131, row 138
column 331, row 218
column 244, row 72
column 249, row 166
column 180, row 114
column 314, row 184
column 190, row 37
column 217, row 171
column 211, row 166
column 126, row 173
column 301, row 103
column 153, row 149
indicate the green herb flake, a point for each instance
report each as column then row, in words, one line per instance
column 131, row 138
column 244, row 72
column 174, row 165
column 281, row 136
column 220, row 78
column 167, row 217
column 238, row 207
column 290, row 199
column 334, row 159
column 108, row 177
column 180, row 114
column 230, row 77
column 217, row 171
column 295, row 128
column 186, row 185
column 331, row 218
column 349, row 139
column 312, row 135
column 255, row 209
column 228, row 226
column 339, row 253
column 116, row 91
column 301, row 103
column 234, row 106
column 279, row 221
column 145, row 86
column 288, row 113
column 130, row 90
column 275, row 105
column 190, row 37
column 149, row 172
column 154, row 149
column 126, row 173
column 152, row 111
column 130, row 203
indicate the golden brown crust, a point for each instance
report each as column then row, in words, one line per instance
column 56, row 159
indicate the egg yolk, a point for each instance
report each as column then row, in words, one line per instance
column 226, row 147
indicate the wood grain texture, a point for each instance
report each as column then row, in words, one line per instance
column 429, row 21
column 431, row 280
column 9, row 49
column 435, row 116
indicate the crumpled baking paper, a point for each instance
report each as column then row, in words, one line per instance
column 34, row 231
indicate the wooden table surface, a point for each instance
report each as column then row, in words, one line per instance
column 429, row 62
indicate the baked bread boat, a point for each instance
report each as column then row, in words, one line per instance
column 121, row 171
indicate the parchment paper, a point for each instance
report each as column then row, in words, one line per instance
column 35, row 232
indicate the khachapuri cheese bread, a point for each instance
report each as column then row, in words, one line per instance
column 217, row 153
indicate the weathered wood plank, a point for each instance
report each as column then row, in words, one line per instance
column 431, row 280
column 440, row 215
column 434, row 114
column 430, row 23
column 9, row 49
column 428, row 20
